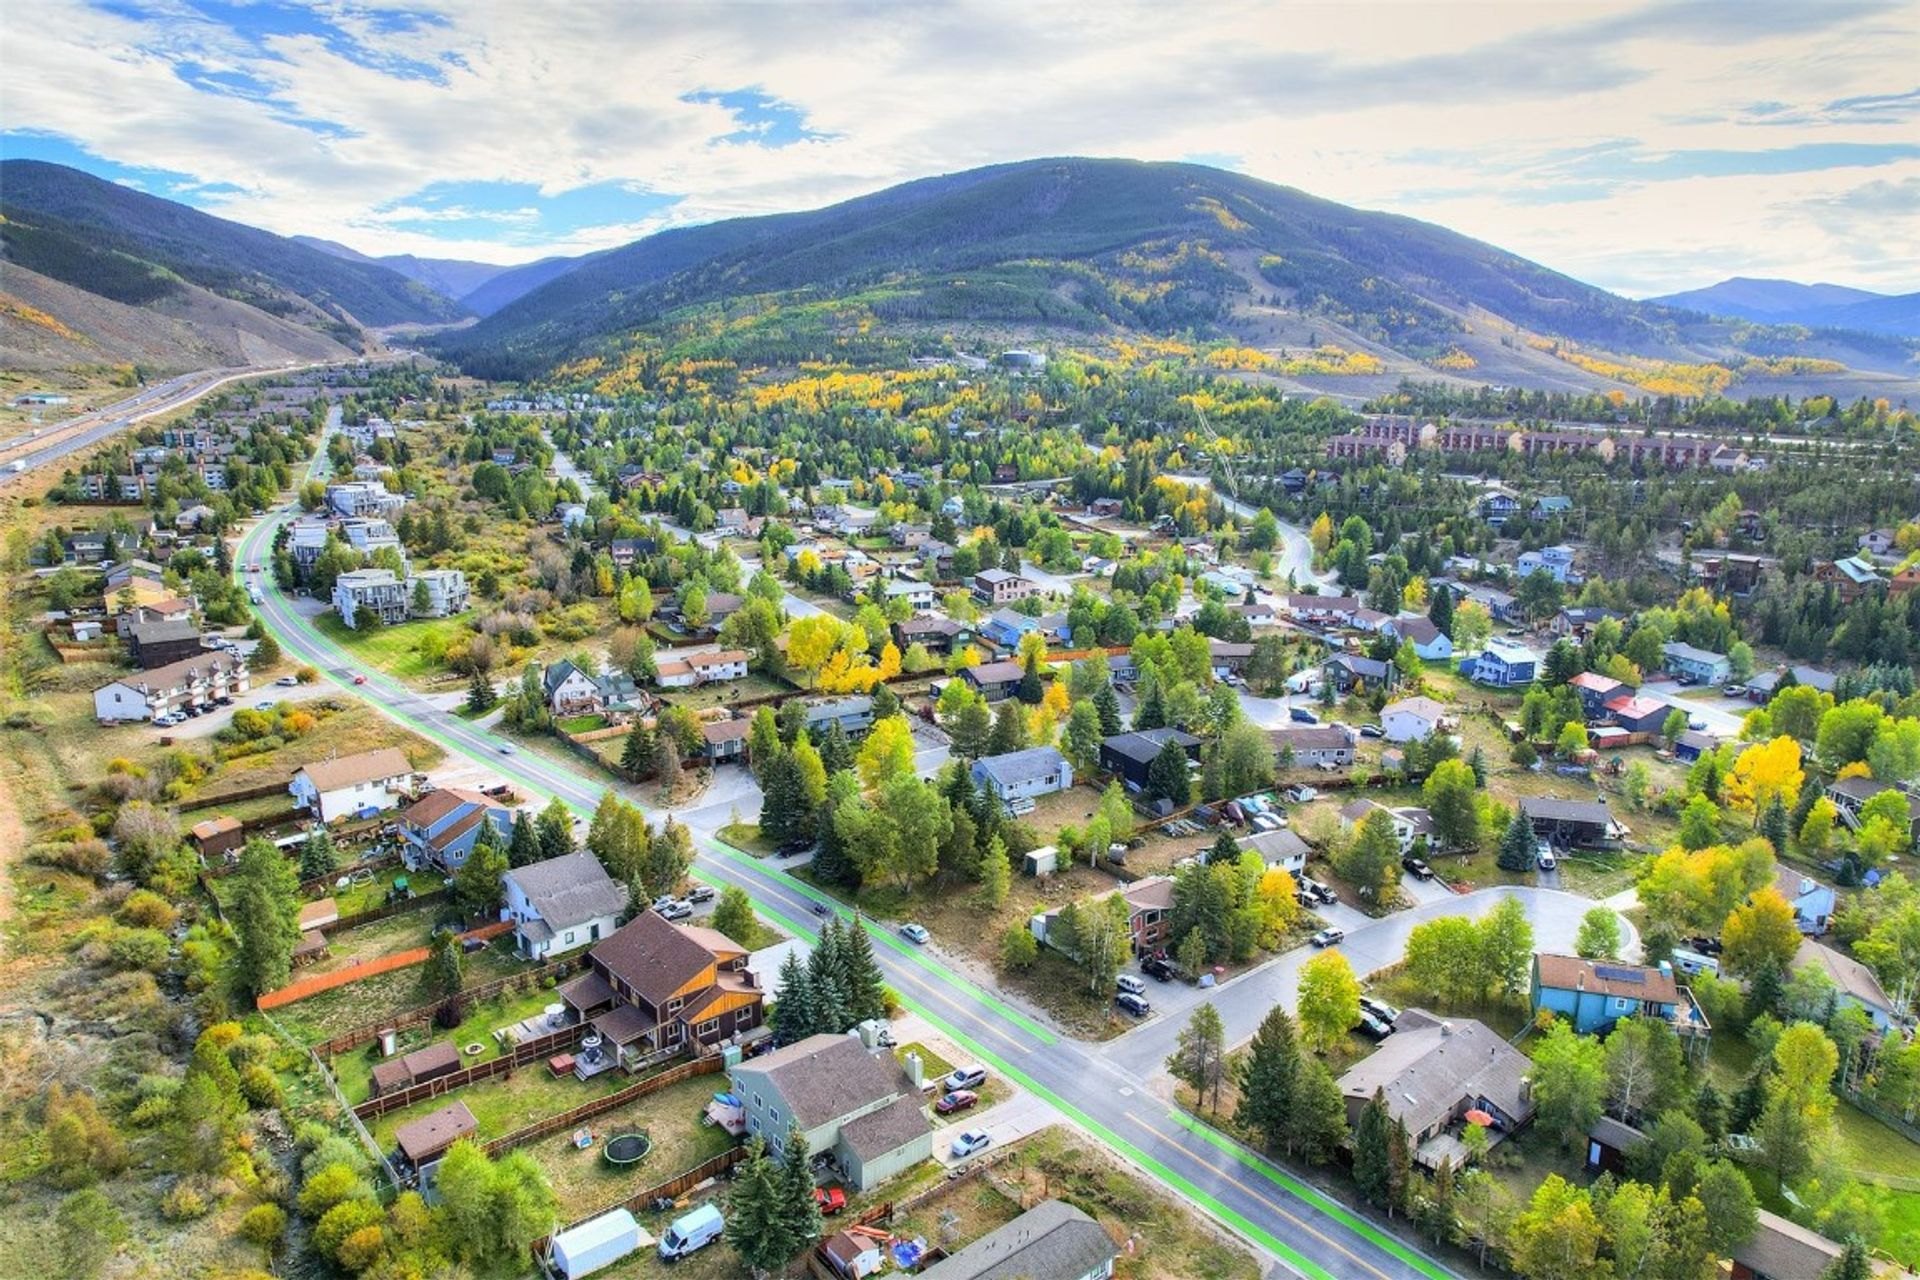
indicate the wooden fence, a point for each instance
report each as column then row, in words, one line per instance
column 706, row 1066
column 643, row 1200
column 301, row 988
column 234, row 797
column 506, row 1064
column 390, row 909
column 421, row 1015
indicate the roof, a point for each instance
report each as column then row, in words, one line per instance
column 178, row 673
column 1017, row 767
column 888, row 1129
column 996, row 672
column 159, row 630
column 652, row 956
column 1596, row 682
column 1152, row 893
column 1608, row 977
column 826, row 1077
column 1428, row 1065
column 570, row 889
column 1425, row 708
column 1142, row 745
column 722, row 658
column 839, row 708
column 397, row 1072
column 1552, row 809
column 622, row 1024
column 993, row 576
column 1852, row 977
column 1309, row 737
column 1783, row 1250
column 1418, row 630
column 1793, row 885
column 588, row 991
column 1275, row 846
column 1051, row 1241
column 423, row 1139
column 441, row 803
column 1687, row 653
column 1366, row 668
column 1613, row 1133
column 718, row 731
column 365, row 766
column 212, row 827
column 1698, row 740
column 1635, row 707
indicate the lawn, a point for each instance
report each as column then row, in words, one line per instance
column 401, row 651
column 506, row 1103
column 581, row 724
column 727, row 693
column 329, row 1013
column 746, row 837
column 585, row 1182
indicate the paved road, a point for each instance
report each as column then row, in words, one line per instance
column 1710, row 711
column 1295, row 553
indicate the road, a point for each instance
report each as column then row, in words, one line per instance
column 1101, row 1089
column 1294, row 557
column 63, row 438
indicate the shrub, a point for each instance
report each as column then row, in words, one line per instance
column 264, row 1225
column 333, row 1185
column 87, row 857
column 145, row 909
column 139, row 949
column 363, row 1248
column 185, row 1202
column 259, row 1086
column 340, row 1223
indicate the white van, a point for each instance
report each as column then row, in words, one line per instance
column 1693, row 964
column 692, row 1232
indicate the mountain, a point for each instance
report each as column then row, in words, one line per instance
column 511, row 283
column 1083, row 247
column 481, row 287
column 143, row 252
column 1815, row 306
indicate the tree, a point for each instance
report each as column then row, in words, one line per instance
column 887, row 753
column 1517, row 845
column 524, row 847
column 1329, row 1000
column 445, row 963
column 1765, row 773
column 1559, row 1236
column 1245, row 757
column 1168, row 777
column 89, row 1228
column 638, row 753
column 1506, row 948
column 1699, row 823
column 1731, row 1211
column 785, row 814
column 1107, row 703
column 755, row 1225
column 1080, row 741
column 1599, row 936
column 866, row 984
column 1759, row 933
column 266, row 655
column 733, row 914
column 795, row 1207
column 1371, row 860
column 1852, row 1264
column 1199, row 1058
column 492, row 1208
column 265, row 915
column 555, row 826
column 1317, row 1125
column 1569, row 1081
column 1373, row 1171
column 1645, row 1068
column 1674, row 725
column 1019, row 949
column 477, row 885
column 317, row 855
column 1451, row 794
column 995, row 872
column 1268, row 1078
column 795, row 1013
column 1796, row 1119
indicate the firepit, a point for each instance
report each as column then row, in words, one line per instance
column 628, row 1148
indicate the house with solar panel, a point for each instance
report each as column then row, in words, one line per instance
column 1595, row 994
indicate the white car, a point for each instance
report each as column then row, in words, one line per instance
column 915, row 933
column 970, row 1143
column 287, row 682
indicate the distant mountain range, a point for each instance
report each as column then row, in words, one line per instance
column 1817, row 306
column 1069, row 250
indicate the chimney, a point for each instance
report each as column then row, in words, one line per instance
column 1526, row 1088
column 1446, row 1028
column 916, row 1070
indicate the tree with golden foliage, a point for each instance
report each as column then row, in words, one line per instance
column 1763, row 771
column 1760, row 933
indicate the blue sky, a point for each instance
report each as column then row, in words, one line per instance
column 1646, row 146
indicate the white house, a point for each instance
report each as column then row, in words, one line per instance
column 446, row 592
column 190, row 682
column 570, row 691
column 1429, row 641
column 1022, row 775
column 1556, row 560
column 1409, row 823
column 1411, row 719
column 727, row 664
column 346, row 785
column 562, row 903
column 376, row 591
column 918, row 595
column 860, row 1106
column 364, row 498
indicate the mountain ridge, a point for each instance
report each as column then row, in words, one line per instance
column 1828, row 306
column 480, row 287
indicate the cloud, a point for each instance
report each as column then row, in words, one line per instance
column 1623, row 142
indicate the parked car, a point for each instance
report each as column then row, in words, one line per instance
column 1696, row 724
column 1380, row 1009
column 662, row 902
column 1734, row 690
column 1544, row 858
column 268, row 705
column 1318, row 892
column 830, row 1199
column 1158, row 969
column 1133, row 1004
column 287, row 682
column 1299, row 793
column 700, row 893
column 955, row 1100
column 1372, row 731
column 970, row 1143
column 794, row 848
column 678, row 909
column 1373, row 1028
column 1127, row 982
column 1703, row 944
column 1329, row 937
column 971, row 1076
column 1300, row 715
column 1417, row 869
column 168, row 720
column 915, row 933
column 691, row 1232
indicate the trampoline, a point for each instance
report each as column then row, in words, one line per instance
column 628, row 1148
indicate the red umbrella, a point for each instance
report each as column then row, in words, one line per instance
column 1480, row 1118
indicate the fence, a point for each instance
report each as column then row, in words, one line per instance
column 519, row 1056
column 420, row 1015
column 388, row 910
column 612, row 1102
column 311, row 986
column 234, row 797
column 643, row 1200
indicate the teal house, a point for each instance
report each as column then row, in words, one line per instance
column 1595, row 994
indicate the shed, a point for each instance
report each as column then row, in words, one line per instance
column 425, row 1140
column 1608, row 1142
column 853, row 1256
column 321, row 913
column 1043, row 861
column 418, row 1067
column 216, row 836
column 597, row 1243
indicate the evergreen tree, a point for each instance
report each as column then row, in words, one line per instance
column 885, row 702
column 972, row 729
column 1107, row 703
column 836, row 752
column 1168, row 777
column 798, row 1212
column 477, row 884
column 1774, row 826
column 1031, row 688
column 1267, row 1080
column 266, row 654
column 1372, row 1161
column 1852, row 1264
column 1516, row 845
column 1151, row 713
column 556, row 830
column 1477, row 761
column 755, row 1226
column 995, row 872
column 1440, row 609
column 317, row 855
column 866, row 985
column 1009, row 729
column 784, row 814
column 445, row 965
column 637, row 755
column 795, row 1014
column 1399, row 1166
column 265, row 915
column 524, row 847
column 1200, row 1055
column 1317, row 1125
column 480, row 693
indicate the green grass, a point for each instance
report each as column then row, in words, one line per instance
column 506, row 1103
column 746, row 837
column 354, row 1069
column 581, row 724
column 395, row 650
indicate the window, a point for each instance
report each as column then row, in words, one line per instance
column 708, row 1027
column 673, row 1005
column 569, row 937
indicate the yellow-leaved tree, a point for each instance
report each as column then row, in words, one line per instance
column 1763, row 771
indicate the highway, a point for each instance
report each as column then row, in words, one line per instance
column 52, row 443
column 1100, row 1089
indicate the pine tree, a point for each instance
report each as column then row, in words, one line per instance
column 866, row 985
column 265, row 916
column 480, row 693
column 1151, row 713
column 972, row 729
column 795, row 1014
column 1773, row 825
column 1200, row 1055
column 1009, row 729
column 637, row 756
column 317, row 855
column 1107, row 703
column 832, row 982
column 1372, row 1170
column 1031, row 688
column 798, row 1211
column 784, row 815
column 1399, row 1166
column 1317, row 1125
column 556, row 830
column 1267, row 1081
column 1168, row 777
column 1516, row 845
column 1477, row 761
column 755, row 1227
column 1852, row 1264
column 444, row 965
column 524, row 847
column 836, row 752
column 995, row 873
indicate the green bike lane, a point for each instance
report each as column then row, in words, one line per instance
column 1310, row 1233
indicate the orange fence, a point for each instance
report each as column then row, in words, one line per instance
column 319, row 982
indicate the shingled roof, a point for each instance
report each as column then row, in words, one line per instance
column 570, row 889
column 1051, row 1241
column 364, row 766
column 652, row 957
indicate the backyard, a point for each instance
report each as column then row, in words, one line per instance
column 385, row 995
column 505, row 1103
column 672, row 1118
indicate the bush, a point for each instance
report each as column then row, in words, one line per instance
column 259, row 1086
column 363, row 1248
column 264, row 1225
column 1019, row 949
column 341, row 1222
column 138, row 949
column 145, row 909
column 333, row 1185
column 185, row 1202
column 87, row 857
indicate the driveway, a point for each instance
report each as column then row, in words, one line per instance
column 1060, row 583
column 1005, row 1123
column 1714, row 711
column 1422, row 892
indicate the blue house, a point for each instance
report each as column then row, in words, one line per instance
column 441, row 828
column 1701, row 666
column 1813, row 903
column 1502, row 664
column 1595, row 994
column 1556, row 560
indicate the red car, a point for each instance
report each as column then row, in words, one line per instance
column 830, row 1199
column 958, row 1100
column 359, row 679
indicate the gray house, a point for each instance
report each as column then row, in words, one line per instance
column 562, row 903
column 1022, row 775
column 860, row 1105
column 1051, row 1241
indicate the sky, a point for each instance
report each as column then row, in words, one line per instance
column 1645, row 147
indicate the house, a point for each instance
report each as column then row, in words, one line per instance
column 446, row 593
column 418, row 1067
column 722, row 741
column 655, row 989
column 936, row 635
column 1431, row 1071
column 1571, row 824
column 1227, row 658
column 1051, row 1241
column 569, row 690
column 1429, row 641
column 561, row 903
column 918, row 595
column 994, row 680
column 364, row 498
column 1693, row 744
column 1502, row 664
column 1322, row 610
column 1876, row 542
column 378, row 592
column 1595, row 994
column 423, row 1142
column 1572, row 622
column 726, row 664
column 1780, row 1249
column 1854, row 982
column 217, row 837
column 1637, row 714
column 368, row 781
column 625, row 551
column 854, row 715
column 1498, row 508
column 192, row 682
column 1315, row 745
column 1594, row 690
column 1004, row 627
column 1550, row 506
column 441, row 828
column 1410, row 823
column 1149, row 903
column 1226, row 584
column 1128, row 756
column 1346, row 672
column 1608, row 1142
column 857, row 1104
column 1023, row 775
column 1853, row 577
column 156, row 642
column 1280, row 848
column 1813, row 903
column 997, row 586
column 1556, row 562
column 1850, row 795
column 1699, row 666
column 1412, row 719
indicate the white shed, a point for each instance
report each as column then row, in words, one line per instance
column 596, row 1243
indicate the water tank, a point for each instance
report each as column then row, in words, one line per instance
column 591, row 1044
